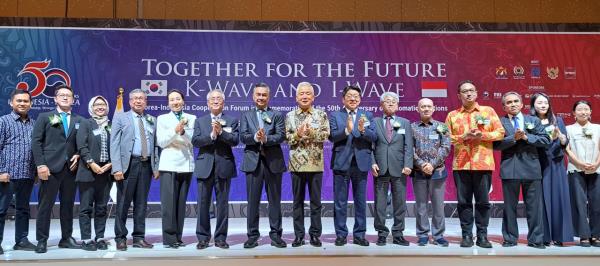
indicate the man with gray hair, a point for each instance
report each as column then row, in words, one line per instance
column 214, row 135
column 392, row 163
column 306, row 130
column 133, row 164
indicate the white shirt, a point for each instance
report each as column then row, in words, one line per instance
column 583, row 146
column 177, row 151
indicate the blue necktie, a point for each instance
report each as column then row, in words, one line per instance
column 261, row 123
column 515, row 122
column 65, row 122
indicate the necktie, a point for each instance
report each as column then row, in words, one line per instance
column 261, row 123
column 65, row 123
column 178, row 115
column 515, row 122
column 388, row 128
column 143, row 137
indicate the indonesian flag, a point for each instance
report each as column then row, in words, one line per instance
column 437, row 89
column 118, row 109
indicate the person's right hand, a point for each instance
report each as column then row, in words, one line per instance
column 349, row 124
column 96, row 168
column 118, row 176
column 5, row 178
column 43, row 172
column 375, row 170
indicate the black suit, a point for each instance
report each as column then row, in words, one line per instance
column 263, row 165
column 94, row 189
column 51, row 147
column 520, row 169
column 214, row 168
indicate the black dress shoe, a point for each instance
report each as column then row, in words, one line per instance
column 69, row 243
column 278, row 243
column 121, row 244
column 508, row 244
column 1, row 250
column 483, row 242
column 251, row 243
column 24, row 245
column 298, row 241
column 315, row 241
column 180, row 243
column 41, row 247
column 340, row 241
column 595, row 242
column 202, row 244
column 172, row 245
column 89, row 246
column 536, row 245
column 360, row 241
column 142, row 244
column 381, row 241
column 101, row 245
column 558, row 244
column 221, row 244
column 399, row 240
column 466, row 242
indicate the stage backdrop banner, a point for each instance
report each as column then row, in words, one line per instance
column 412, row 64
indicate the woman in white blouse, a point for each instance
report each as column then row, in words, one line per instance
column 174, row 131
column 583, row 168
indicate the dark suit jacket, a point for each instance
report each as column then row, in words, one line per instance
column 556, row 150
column 88, row 145
column 520, row 159
column 49, row 144
column 272, row 148
column 216, row 153
column 354, row 145
column 396, row 154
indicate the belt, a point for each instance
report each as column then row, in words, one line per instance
column 140, row 158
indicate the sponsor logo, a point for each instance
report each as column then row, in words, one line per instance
column 536, row 72
column 486, row 95
column 570, row 73
column 497, row 95
column 154, row 87
column 501, row 72
column 552, row 72
column 434, row 89
column 37, row 78
column 518, row 72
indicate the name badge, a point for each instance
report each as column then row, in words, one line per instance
column 227, row 129
column 97, row 131
column 76, row 125
column 367, row 123
column 401, row 131
column 434, row 136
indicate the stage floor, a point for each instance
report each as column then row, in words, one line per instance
column 237, row 236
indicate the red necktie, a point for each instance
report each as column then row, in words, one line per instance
column 388, row 128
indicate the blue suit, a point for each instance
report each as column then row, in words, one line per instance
column 351, row 162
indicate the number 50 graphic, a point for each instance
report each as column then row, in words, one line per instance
column 42, row 77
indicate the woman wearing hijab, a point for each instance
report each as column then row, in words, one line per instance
column 93, row 174
column 174, row 131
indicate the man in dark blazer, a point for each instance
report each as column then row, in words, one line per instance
column 520, row 169
column 214, row 136
column 352, row 134
column 134, row 160
column 55, row 154
column 263, row 130
column 392, row 163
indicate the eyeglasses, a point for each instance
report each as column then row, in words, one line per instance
column 138, row 98
column 468, row 91
column 390, row 102
column 215, row 99
column 64, row 95
column 351, row 97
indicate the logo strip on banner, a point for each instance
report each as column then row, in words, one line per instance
column 434, row 89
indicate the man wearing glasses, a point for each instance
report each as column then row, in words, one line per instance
column 473, row 128
column 55, row 155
